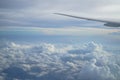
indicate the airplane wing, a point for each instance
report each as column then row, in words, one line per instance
column 107, row 23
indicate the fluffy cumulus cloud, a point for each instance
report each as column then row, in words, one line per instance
column 57, row 62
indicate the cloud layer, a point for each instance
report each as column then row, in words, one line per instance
column 57, row 62
column 37, row 12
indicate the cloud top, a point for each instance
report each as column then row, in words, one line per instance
column 51, row 61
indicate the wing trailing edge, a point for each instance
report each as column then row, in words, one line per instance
column 107, row 23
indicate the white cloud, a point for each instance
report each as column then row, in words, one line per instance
column 43, row 61
column 90, row 71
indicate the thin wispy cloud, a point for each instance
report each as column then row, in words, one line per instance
column 73, row 31
column 30, row 13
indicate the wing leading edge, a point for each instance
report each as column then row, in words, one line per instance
column 107, row 23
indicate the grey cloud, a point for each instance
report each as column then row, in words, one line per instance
column 15, row 4
column 37, row 10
